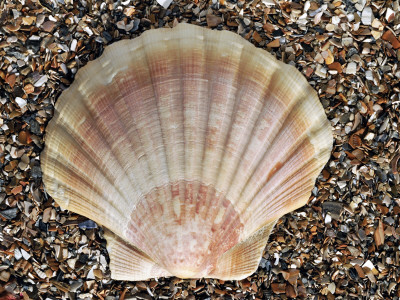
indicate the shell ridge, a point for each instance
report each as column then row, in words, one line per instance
column 291, row 108
column 142, row 163
column 212, row 47
column 179, row 209
column 138, row 242
column 222, row 235
column 114, row 154
column 124, row 255
column 188, row 74
column 164, row 161
column 206, row 45
column 236, row 81
column 153, row 187
column 88, row 204
column 89, row 156
column 299, row 187
column 237, row 99
column 267, row 141
column 239, row 94
column 278, row 165
column 171, row 135
column 222, row 105
column 196, row 70
column 79, row 173
column 232, row 160
column 302, row 138
column 142, row 142
column 187, row 100
column 289, row 154
column 299, row 192
column 174, row 144
column 141, row 156
column 139, row 181
column 139, row 147
column 243, row 259
column 140, row 235
column 139, row 45
column 262, row 100
column 255, row 127
column 273, row 136
column 208, row 48
column 48, row 170
column 320, row 156
column 82, row 178
column 79, row 176
column 93, row 152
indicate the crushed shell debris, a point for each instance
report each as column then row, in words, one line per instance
column 349, row 52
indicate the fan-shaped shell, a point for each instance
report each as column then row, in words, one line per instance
column 187, row 145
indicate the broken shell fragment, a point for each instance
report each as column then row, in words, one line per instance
column 187, row 145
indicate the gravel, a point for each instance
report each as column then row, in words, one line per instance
column 342, row 245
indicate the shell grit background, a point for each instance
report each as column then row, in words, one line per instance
column 342, row 245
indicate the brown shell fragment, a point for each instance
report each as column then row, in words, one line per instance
column 355, row 141
column 10, row 79
column 391, row 38
column 12, row 27
column 379, row 235
column 394, row 165
column 186, row 145
column 29, row 88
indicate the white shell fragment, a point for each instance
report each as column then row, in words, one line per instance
column 186, row 145
column 41, row 81
column 367, row 16
column 164, row 3
column 20, row 101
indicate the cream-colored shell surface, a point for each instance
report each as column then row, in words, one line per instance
column 186, row 145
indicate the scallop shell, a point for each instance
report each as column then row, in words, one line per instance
column 187, row 145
